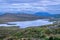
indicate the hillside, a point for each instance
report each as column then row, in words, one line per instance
column 31, row 33
column 7, row 17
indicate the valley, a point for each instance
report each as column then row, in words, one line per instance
column 40, row 26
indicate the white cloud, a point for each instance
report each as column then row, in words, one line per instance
column 22, row 6
column 47, row 2
column 43, row 5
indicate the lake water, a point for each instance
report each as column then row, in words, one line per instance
column 24, row 24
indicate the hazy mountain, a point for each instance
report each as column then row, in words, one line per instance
column 7, row 17
column 18, row 17
column 46, row 14
column 1, row 13
column 43, row 14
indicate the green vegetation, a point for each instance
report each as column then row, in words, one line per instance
column 43, row 33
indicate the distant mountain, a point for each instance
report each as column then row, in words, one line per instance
column 43, row 14
column 57, row 15
column 46, row 14
column 7, row 17
column 1, row 13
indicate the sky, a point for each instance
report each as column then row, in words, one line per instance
column 51, row 6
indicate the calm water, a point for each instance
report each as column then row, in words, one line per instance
column 24, row 24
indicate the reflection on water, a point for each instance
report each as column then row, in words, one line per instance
column 24, row 24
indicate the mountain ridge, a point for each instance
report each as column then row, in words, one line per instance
column 18, row 17
column 8, row 17
column 47, row 14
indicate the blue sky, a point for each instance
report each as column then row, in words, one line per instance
column 52, row 6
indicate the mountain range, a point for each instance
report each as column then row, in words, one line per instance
column 8, row 17
column 46, row 14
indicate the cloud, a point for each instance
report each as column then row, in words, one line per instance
column 30, row 5
column 21, row 7
column 18, row 1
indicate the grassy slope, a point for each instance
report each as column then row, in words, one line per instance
column 31, row 32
